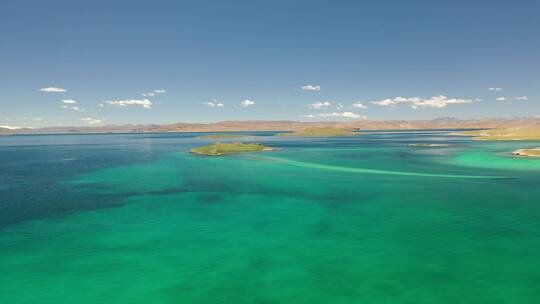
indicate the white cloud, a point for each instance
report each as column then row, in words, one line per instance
column 247, row 103
column 500, row 98
column 319, row 105
column 92, row 121
column 69, row 101
column 214, row 104
column 36, row 119
column 478, row 99
column 310, row 87
column 73, row 108
column 522, row 98
column 9, row 127
column 53, row 90
column 339, row 106
column 336, row 115
column 101, row 105
column 359, row 105
column 153, row 93
column 496, row 89
column 145, row 103
column 348, row 115
column 77, row 109
column 418, row 102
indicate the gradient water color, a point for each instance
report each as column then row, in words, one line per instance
column 137, row 219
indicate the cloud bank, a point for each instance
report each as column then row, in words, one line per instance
column 9, row 127
column 440, row 101
column 145, row 103
column 336, row 115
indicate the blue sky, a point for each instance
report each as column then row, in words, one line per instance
column 393, row 57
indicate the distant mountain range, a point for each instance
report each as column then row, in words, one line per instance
column 230, row 126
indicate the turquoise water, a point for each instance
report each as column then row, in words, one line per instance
column 137, row 219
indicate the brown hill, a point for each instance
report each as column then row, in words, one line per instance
column 231, row 126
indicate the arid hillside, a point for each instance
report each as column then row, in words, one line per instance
column 231, row 126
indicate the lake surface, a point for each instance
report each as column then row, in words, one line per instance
column 137, row 219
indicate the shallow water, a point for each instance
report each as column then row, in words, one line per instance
column 137, row 219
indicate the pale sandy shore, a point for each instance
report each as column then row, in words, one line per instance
column 527, row 152
column 515, row 133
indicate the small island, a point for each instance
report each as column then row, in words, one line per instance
column 515, row 133
column 527, row 152
column 320, row 132
column 219, row 148
column 218, row 136
column 428, row 145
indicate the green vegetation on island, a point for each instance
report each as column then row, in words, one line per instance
column 219, row 148
column 516, row 133
column 527, row 152
column 218, row 136
column 320, row 132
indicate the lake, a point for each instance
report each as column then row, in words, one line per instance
column 136, row 218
